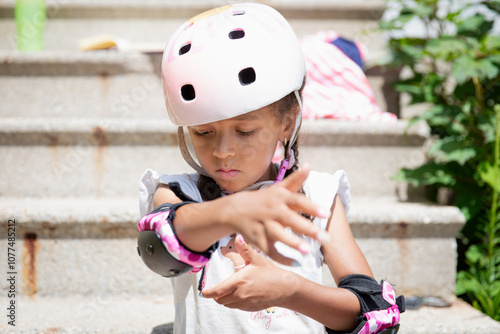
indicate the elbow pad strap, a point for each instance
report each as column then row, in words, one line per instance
column 380, row 309
column 168, row 257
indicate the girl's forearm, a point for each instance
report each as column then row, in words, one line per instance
column 199, row 225
column 333, row 307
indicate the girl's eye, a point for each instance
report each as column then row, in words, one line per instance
column 246, row 133
column 201, row 133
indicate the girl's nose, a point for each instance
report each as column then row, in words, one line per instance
column 224, row 147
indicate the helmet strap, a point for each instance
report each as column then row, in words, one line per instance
column 183, row 146
column 298, row 122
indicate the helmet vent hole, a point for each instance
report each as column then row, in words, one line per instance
column 237, row 34
column 238, row 12
column 247, row 76
column 187, row 92
column 185, row 49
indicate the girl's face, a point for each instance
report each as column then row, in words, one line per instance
column 237, row 152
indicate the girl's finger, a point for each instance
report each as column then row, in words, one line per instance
column 257, row 236
column 294, row 181
column 300, row 203
column 300, row 225
column 222, row 289
column 277, row 232
column 280, row 258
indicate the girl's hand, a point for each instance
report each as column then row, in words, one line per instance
column 263, row 217
column 259, row 285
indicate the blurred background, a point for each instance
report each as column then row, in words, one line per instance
column 82, row 115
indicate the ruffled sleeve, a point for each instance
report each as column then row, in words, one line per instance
column 321, row 188
column 150, row 180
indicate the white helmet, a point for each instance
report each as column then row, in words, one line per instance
column 229, row 61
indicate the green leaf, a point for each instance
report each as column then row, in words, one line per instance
column 469, row 205
column 446, row 48
column 486, row 123
column 404, row 18
column 474, row 26
column 491, row 42
column 494, row 58
column 397, row 23
column 434, row 116
column 487, row 69
column 427, row 174
column 423, row 10
column 463, row 69
column 475, row 255
column 409, row 87
column 456, row 127
column 490, row 174
column 449, row 117
column 456, row 14
column 493, row 5
column 462, row 286
column 413, row 86
column 466, row 68
column 415, row 52
column 495, row 288
column 406, row 51
column 452, row 149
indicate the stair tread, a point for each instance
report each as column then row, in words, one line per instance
column 170, row 4
column 94, row 314
column 123, row 131
column 105, row 228
column 45, row 124
column 365, row 209
column 136, row 314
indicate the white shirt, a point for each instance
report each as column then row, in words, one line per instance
column 195, row 314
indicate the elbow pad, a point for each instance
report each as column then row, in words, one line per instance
column 380, row 309
column 161, row 250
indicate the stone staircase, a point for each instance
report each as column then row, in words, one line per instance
column 77, row 130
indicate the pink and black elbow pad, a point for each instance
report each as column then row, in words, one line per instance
column 161, row 250
column 380, row 309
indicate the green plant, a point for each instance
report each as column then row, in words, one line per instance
column 454, row 68
column 481, row 282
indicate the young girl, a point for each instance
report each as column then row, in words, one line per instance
column 251, row 234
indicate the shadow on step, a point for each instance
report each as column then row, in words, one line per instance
column 163, row 329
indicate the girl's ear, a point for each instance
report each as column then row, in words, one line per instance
column 289, row 123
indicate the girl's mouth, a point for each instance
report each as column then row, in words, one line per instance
column 227, row 173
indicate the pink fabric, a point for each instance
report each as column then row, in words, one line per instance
column 336, row 86
column 159, row 222
column 382, row 319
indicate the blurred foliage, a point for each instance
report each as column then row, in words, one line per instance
column 454, row 68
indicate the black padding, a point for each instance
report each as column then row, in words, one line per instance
column 370, row 295
column 391, row 330
column 157, row 258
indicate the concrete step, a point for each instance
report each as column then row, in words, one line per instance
column 107, row 84
column 155, row 20
column 151, row 21
column 94, row 314
column 91, row 245
column 155, row 315
column 65, row 84
column 81, row 157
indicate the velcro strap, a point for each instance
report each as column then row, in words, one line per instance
column 160, row 220
column 380, row 309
